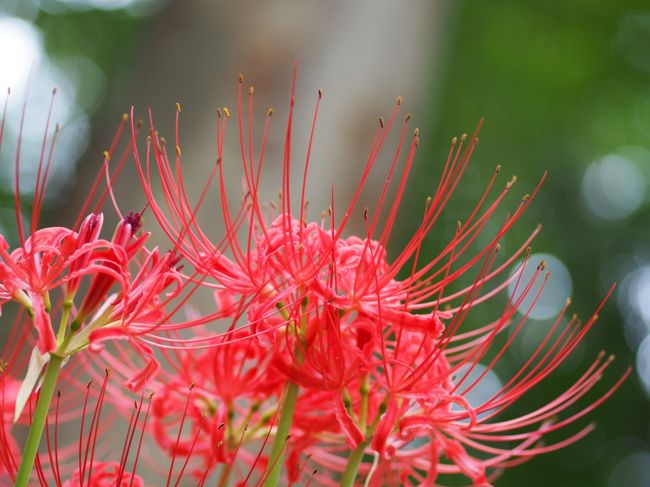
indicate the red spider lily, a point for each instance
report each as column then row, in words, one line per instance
column 96, row 290
column 371, row 349
column 232, row 401
column 66, row 258
column 31, row 271
column 121, row 286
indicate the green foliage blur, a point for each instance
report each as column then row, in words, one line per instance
column 560, row 84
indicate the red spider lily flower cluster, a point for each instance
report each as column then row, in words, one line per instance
column 125, row 284
column 326, row 359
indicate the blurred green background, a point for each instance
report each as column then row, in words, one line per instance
column 564, row 87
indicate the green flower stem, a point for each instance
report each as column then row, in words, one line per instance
column 364, row 390
column 354, row 460
column 279, row 444
column 65, row 316
column 38, row 421
column 288, row 404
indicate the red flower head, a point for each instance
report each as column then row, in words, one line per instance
column 378, row 355
column 230, row 401
column 80, row 291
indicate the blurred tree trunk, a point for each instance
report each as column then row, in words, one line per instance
column 362, row 54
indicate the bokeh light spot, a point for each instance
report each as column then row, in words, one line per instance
column 634, row 304
column 633, row 470
column 643, row 364
column 486, row 388
column 613, row 187
column 20, row 52
column 553, row 296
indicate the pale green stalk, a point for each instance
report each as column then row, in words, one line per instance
column 38, row 421
column 352, row 467
column 281, row 434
